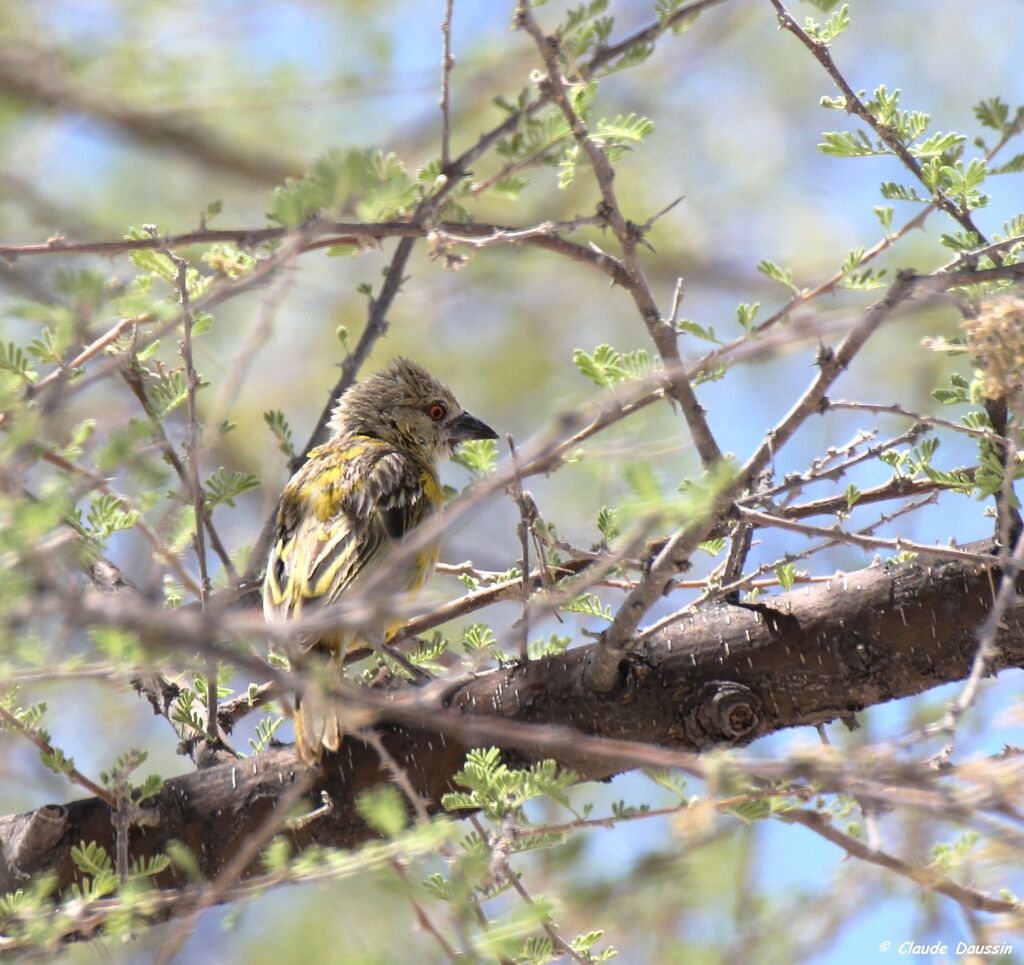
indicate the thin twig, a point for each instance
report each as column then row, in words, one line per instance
column 133, row 379
column 398, row 774
column 928, row 420
column 924, row 877
column 500, row 872
column 665, row 338
column 160, row 548
column 887, row 134
column 516, row 491
column 730, row 591
column 90, row 351
column 192, row 455
column 446, row 70
column 987, row 637
column 73, row 773
column 425, row 921
column 898, row 545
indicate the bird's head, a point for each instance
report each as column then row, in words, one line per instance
column 406, row 406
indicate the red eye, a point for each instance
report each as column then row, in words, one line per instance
column 437, row 411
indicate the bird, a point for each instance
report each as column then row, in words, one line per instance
column 371, row 483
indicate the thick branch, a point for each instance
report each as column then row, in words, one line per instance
column 723, row 677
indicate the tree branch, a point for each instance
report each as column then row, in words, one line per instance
column 721, row 679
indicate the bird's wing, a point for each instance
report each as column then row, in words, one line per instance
column 337, row 516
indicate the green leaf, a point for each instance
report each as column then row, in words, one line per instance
column 993, row 112
column 202, row 322
column 750, row 811
column 13, row 359
column 892, row 191
column 154, row 263
column 669, row 780
column 391, row 193
column 639, row 53
column 480, row 637
column 786, row 575
column 828, row 31
column 225, row 486
column 692, row 328
column 122, row 646
column 961, row 241
column 590, row 605
column 666, row 8
column 582, row 943
column 427, row 653
column 607, row 366
column 850, row 144
column 229, row 261
column 746, row 313
column 852, row 494
column 50, row 345
column 499, row 790
column 781, row 275
column 265, row 730
column 957, row 480
column 860, row 280
column 716, row 372
column 438, row 886
column 384, row 810
column 550, row 647
column 277, row 855
column 607, row 523
column 508, row 188
column 107, row 515
column 374, row 183
column 962, row 183
column 604, row 367
column 151, row 786
column 583, row 29
column 946, row 856
column 91, row 858
column 937, row 144
column 278, row 424
column 343, row 251
column 1014, row 166
column 149, row 867
column 458, row 801
column 617, row 134
column 170, row 391
column 79, row 435
column 479, row 456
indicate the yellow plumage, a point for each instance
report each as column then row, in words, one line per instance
column 370, row 484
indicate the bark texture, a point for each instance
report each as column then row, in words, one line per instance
column 722, row 677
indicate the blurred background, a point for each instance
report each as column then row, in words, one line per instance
column 116, row 113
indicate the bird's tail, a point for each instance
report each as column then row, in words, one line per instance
column 318, row 719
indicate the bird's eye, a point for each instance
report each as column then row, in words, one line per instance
column 437, row 411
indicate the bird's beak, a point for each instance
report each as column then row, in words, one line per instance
column 467, row 426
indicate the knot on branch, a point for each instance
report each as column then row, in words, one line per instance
column 728, row 710
column 29, row 841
